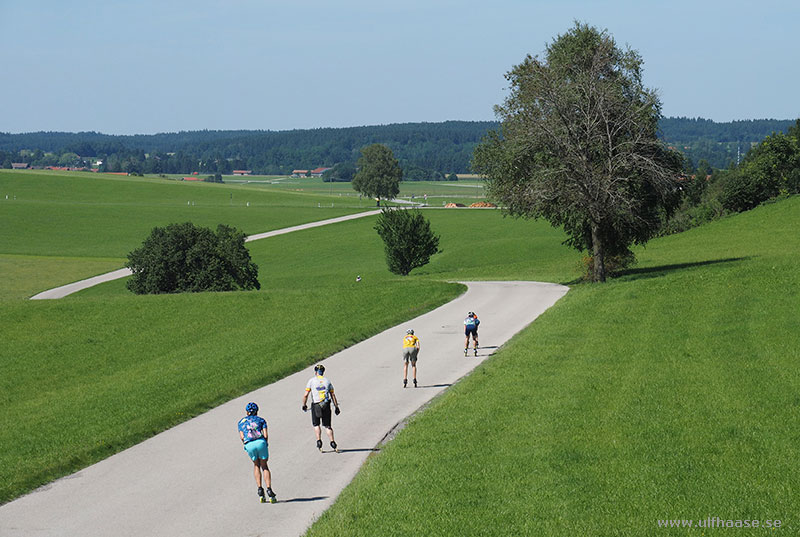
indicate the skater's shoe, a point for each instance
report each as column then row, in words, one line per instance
column 476, row 351
column 405, row 383
column 261, row 495
column 465, row 352
column 272, row 498
column 335, row 448
column 415, row 383
column 319, row 445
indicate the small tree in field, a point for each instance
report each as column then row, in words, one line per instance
column 186, row 258
column 408, row 240
column 379, row 173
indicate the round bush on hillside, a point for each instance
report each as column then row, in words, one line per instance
column 186, row 258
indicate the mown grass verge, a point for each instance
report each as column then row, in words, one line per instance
column 670, row 393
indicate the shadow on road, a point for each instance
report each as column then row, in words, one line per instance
column 434, row 385
column 312, row 499
column 356, row 450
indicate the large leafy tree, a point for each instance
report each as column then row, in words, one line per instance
column 578, row 146
column 187, row 258
column 379, row 173
column 408, row 239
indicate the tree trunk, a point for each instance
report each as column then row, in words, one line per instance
column 598, row 255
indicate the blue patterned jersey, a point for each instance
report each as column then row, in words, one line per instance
column 251, row 427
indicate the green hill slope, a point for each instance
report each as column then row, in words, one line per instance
column 670, row 393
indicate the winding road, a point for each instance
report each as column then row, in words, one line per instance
column 195, row 479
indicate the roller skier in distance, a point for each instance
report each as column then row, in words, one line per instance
column 410, row 352
column 471, row 329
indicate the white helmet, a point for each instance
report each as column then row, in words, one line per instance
column 409, row 331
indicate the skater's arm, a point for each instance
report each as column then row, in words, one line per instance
column 305, row 398
column 333, row 398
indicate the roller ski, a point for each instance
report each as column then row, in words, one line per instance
column 319, row 446
column 334, row 447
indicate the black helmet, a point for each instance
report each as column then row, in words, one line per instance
column 319, row 369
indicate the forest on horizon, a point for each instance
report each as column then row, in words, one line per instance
column 425, row 150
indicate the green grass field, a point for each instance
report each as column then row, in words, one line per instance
column 438, row 193
column 155, row 357
column 668, row 393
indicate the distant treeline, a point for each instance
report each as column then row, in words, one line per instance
column 425, row 150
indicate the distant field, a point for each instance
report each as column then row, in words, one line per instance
column 438, row 192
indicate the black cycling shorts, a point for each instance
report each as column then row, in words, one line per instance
column 321, row 413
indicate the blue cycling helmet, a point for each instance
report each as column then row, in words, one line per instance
column 251, row 408
column 319, row 369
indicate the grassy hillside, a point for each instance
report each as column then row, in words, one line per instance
column 111, row 369
column 670, row 393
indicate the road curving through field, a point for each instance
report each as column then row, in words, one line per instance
column 195, row 479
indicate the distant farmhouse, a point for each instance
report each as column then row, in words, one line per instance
column 19, row 165
column 317, row 172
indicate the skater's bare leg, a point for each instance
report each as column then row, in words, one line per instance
column 330, row 433
column 405, row 371
column 267, row 474
column 318, row 432
column 257, row 471
column 414, row 370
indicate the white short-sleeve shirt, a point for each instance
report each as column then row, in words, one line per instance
column 320, row 388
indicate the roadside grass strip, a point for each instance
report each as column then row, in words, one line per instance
column 670, row 393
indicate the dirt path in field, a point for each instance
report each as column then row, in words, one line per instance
column 195, row 479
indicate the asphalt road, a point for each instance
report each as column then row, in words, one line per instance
column 196, row 480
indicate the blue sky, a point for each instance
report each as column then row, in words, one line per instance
column 146, row 66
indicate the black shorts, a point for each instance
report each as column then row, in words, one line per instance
column 473, row 330
column 321, row 413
